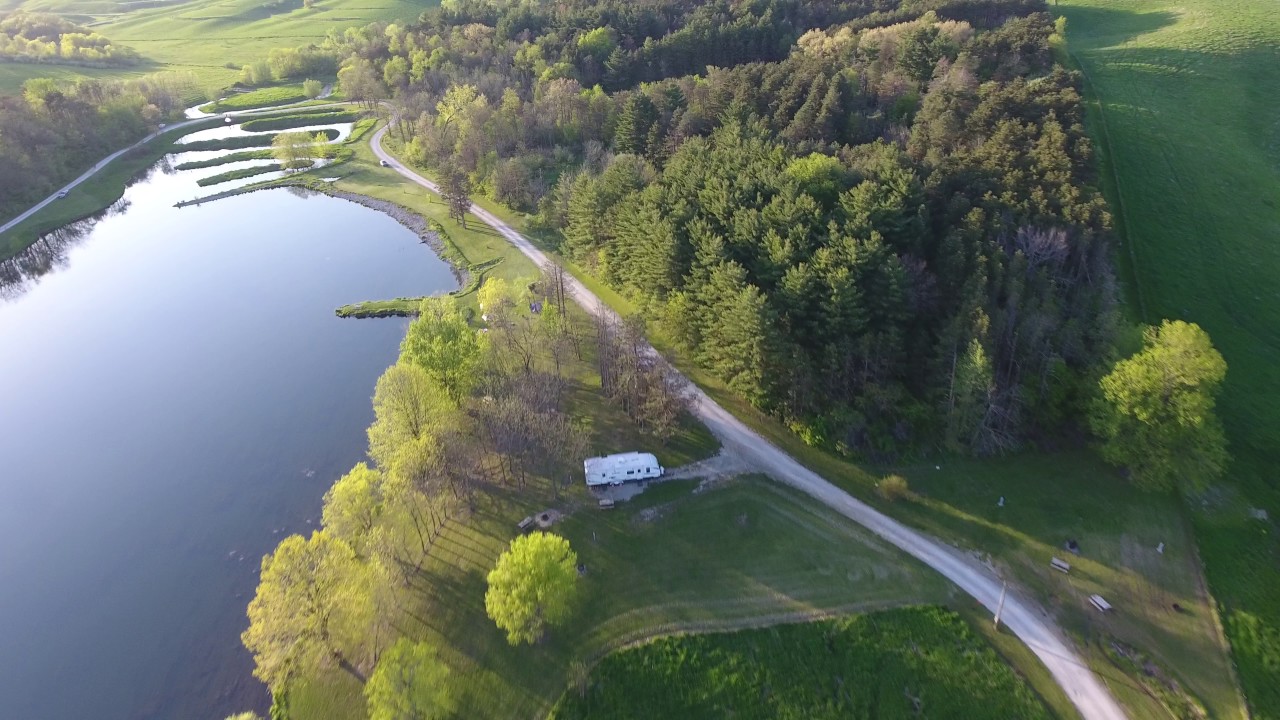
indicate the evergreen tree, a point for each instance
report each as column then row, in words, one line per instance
column 635, row 122
column 738, row 340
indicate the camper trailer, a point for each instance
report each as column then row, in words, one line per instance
column 620, row 468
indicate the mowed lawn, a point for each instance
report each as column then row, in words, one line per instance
column 203, row 36
column 748, row 554
column 1187, row 111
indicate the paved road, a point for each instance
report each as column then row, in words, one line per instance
column 1024, row 618
column 107, row 160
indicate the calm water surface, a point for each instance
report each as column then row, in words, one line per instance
column 175, row 396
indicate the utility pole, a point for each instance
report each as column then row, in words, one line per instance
column 1003, row 589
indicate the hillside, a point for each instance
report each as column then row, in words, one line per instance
column 204, row 36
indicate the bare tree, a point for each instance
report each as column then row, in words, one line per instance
column 649, row 391
column 456, row 190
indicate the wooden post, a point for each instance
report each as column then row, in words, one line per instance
column 1003, row 588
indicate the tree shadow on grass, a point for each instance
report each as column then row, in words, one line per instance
column 1091, row 27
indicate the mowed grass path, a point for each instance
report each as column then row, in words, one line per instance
column 1187, row 112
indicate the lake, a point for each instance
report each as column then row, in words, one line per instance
column 177, row 396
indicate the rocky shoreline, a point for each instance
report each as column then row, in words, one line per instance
column 416, row 223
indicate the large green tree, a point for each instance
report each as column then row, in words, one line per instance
column 441, row 342
column 409, row 406
column 314, row 606
column 352, row 506
column 410, row 683
column 295, row 149
column 1156, row 412
column 532, row 586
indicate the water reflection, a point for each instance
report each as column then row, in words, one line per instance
column 178, row 395
column 21, row 272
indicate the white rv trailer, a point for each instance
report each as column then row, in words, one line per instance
column 620, row 468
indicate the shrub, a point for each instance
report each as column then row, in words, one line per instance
column 893, row 488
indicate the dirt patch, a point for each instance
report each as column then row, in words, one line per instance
column 652, row 514
column 547, row 518
column 723, row 465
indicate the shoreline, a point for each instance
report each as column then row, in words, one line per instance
column 104, row 182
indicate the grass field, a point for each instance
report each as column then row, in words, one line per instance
column 258, row 98
column 1187, row 109
column 910, row 662
column 204, row 36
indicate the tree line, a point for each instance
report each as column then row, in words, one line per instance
column 467, row 415
column 45, row 38
column 884, row 231
column 56, row 129
column 877, row 221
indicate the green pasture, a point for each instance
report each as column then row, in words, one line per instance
column 904, row 663
column 206, row 36
column 1185, row 104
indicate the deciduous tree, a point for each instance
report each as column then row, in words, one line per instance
column 441, row 342
column 296, row 149
column 352, row 506
column 532, row 587
column 314, row 606
column 409, row 683
column 408, row 407
column 1156, row 413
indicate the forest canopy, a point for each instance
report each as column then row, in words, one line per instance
column 876, row 221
